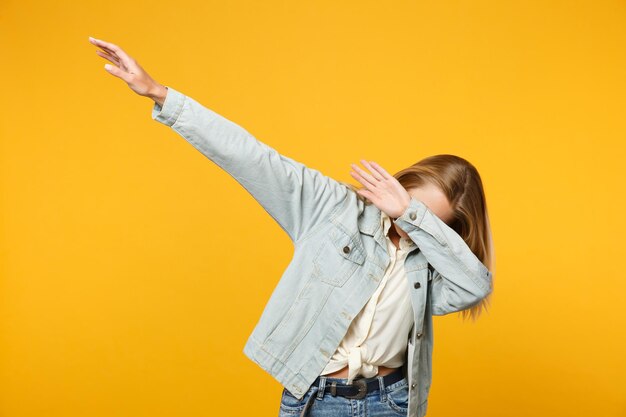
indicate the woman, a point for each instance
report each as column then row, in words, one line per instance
column 348, row 328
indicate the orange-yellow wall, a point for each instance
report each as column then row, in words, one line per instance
column 133, row 269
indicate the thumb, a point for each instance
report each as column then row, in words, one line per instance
column 366, row 193
column 116, row 71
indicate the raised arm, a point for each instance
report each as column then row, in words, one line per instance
column 460, row 279
column 296, row 196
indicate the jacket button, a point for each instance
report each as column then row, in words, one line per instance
column 417, row 285
column 346, row 249
column 419, row 334
column 413, row 386
column 413, row 216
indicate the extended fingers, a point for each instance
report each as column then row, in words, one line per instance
column 373, row 171
column 108, row 56
column 365, row 176
column 360, row 179
column 380, row 170
column 102, row 44
column 112, row 49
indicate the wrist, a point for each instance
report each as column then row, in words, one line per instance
column 158, row 94
column 403, row 209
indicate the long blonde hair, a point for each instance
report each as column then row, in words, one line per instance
column 460, row 181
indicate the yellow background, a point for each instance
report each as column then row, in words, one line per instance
column 110, row 304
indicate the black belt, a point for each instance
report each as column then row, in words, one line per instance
column 357, row 390
column 360, row 387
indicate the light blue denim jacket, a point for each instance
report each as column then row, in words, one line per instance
column 339, row 259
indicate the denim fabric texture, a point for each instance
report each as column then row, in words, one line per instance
column 388, row 401
column 339, row 259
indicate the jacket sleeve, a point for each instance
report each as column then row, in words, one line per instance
column 297, row 197
column 460, row 279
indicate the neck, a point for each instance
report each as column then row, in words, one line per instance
column 393, row 235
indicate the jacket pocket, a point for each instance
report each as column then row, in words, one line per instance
column 338, row 257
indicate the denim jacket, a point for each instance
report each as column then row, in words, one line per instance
column 340, row 256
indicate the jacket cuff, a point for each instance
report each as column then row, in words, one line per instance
column 412, row 217
column 171, row 109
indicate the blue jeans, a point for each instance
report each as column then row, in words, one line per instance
column 387, row 401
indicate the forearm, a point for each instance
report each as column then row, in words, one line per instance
column 444, row 249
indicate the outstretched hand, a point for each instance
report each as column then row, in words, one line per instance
column 126, row 68
column 382, row 189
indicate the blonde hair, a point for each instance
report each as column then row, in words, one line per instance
column 460, row 181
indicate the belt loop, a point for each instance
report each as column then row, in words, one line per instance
column 383, row 392
column 322, row 388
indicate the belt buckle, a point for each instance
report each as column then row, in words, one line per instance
column 362, row 390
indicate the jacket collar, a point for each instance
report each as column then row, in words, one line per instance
column 369, row 221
